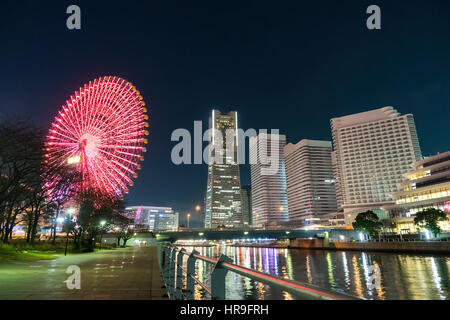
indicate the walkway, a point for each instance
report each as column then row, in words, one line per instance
column 122, row 274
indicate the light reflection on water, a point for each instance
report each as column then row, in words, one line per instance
column 403, row 276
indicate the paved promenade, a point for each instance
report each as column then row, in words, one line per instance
column 122, row 274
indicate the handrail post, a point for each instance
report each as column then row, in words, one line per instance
column 166, row 266
column 190, row 268
column 172, row 270
column 179, row 281
column 218, row 278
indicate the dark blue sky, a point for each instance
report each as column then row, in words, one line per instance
column 291, row 65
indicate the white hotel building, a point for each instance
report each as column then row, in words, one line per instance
column 372, row 151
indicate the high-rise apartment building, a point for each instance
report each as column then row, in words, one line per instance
column 223, row 196
column 310, row 181
column 268, row 180
column 246, row 205
column 372, row 150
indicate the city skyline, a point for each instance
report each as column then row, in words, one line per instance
column 384, row 113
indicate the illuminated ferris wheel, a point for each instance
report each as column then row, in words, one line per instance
column 102, row 131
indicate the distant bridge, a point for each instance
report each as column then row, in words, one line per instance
column 173, row 236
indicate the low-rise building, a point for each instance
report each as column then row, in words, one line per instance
column 426, row 186
column 150, row 218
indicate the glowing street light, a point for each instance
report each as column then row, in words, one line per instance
column 102, row 223
column 188, row 216
column 198, row 208
column 73, row 160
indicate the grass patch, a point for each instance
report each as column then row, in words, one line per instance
column 22, row 251
column 9, row 252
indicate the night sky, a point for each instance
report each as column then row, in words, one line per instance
column 291, row 65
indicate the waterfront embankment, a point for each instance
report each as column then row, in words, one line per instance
column 432, row 247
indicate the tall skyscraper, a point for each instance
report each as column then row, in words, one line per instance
column 246, row 205
column 268, row 180
column 310, row 181
column 223, row 191
column 372, row 151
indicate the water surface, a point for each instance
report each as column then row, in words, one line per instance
column 403, row 276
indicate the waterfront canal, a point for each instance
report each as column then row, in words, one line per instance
column 403, row 276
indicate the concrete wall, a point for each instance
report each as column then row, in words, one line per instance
column 400, row 246
column 438, row 247
column 308, row 244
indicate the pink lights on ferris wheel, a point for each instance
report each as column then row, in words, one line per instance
column 102, row 130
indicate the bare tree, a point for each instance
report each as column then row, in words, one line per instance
column 20, row 156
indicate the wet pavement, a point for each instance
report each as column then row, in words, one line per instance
column 122, row 274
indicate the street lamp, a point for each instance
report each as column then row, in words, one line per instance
column 71, row 211
column 73, row 160
column 188, row 216
column 198, row 208
column 67, row 242
column 102, row 223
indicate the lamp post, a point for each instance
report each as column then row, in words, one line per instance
column 70, row 213
column 67, row 242
column 197, row 208
column 102, row 223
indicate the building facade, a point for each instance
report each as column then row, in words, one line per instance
column 223, row 191
column 150, row 218
column 268, row 180
column 246, row 205
column 310, row 181
column 372, row 151
column 427, row 185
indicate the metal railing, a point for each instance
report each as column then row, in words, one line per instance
column 408, row 240
column 174, row 274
